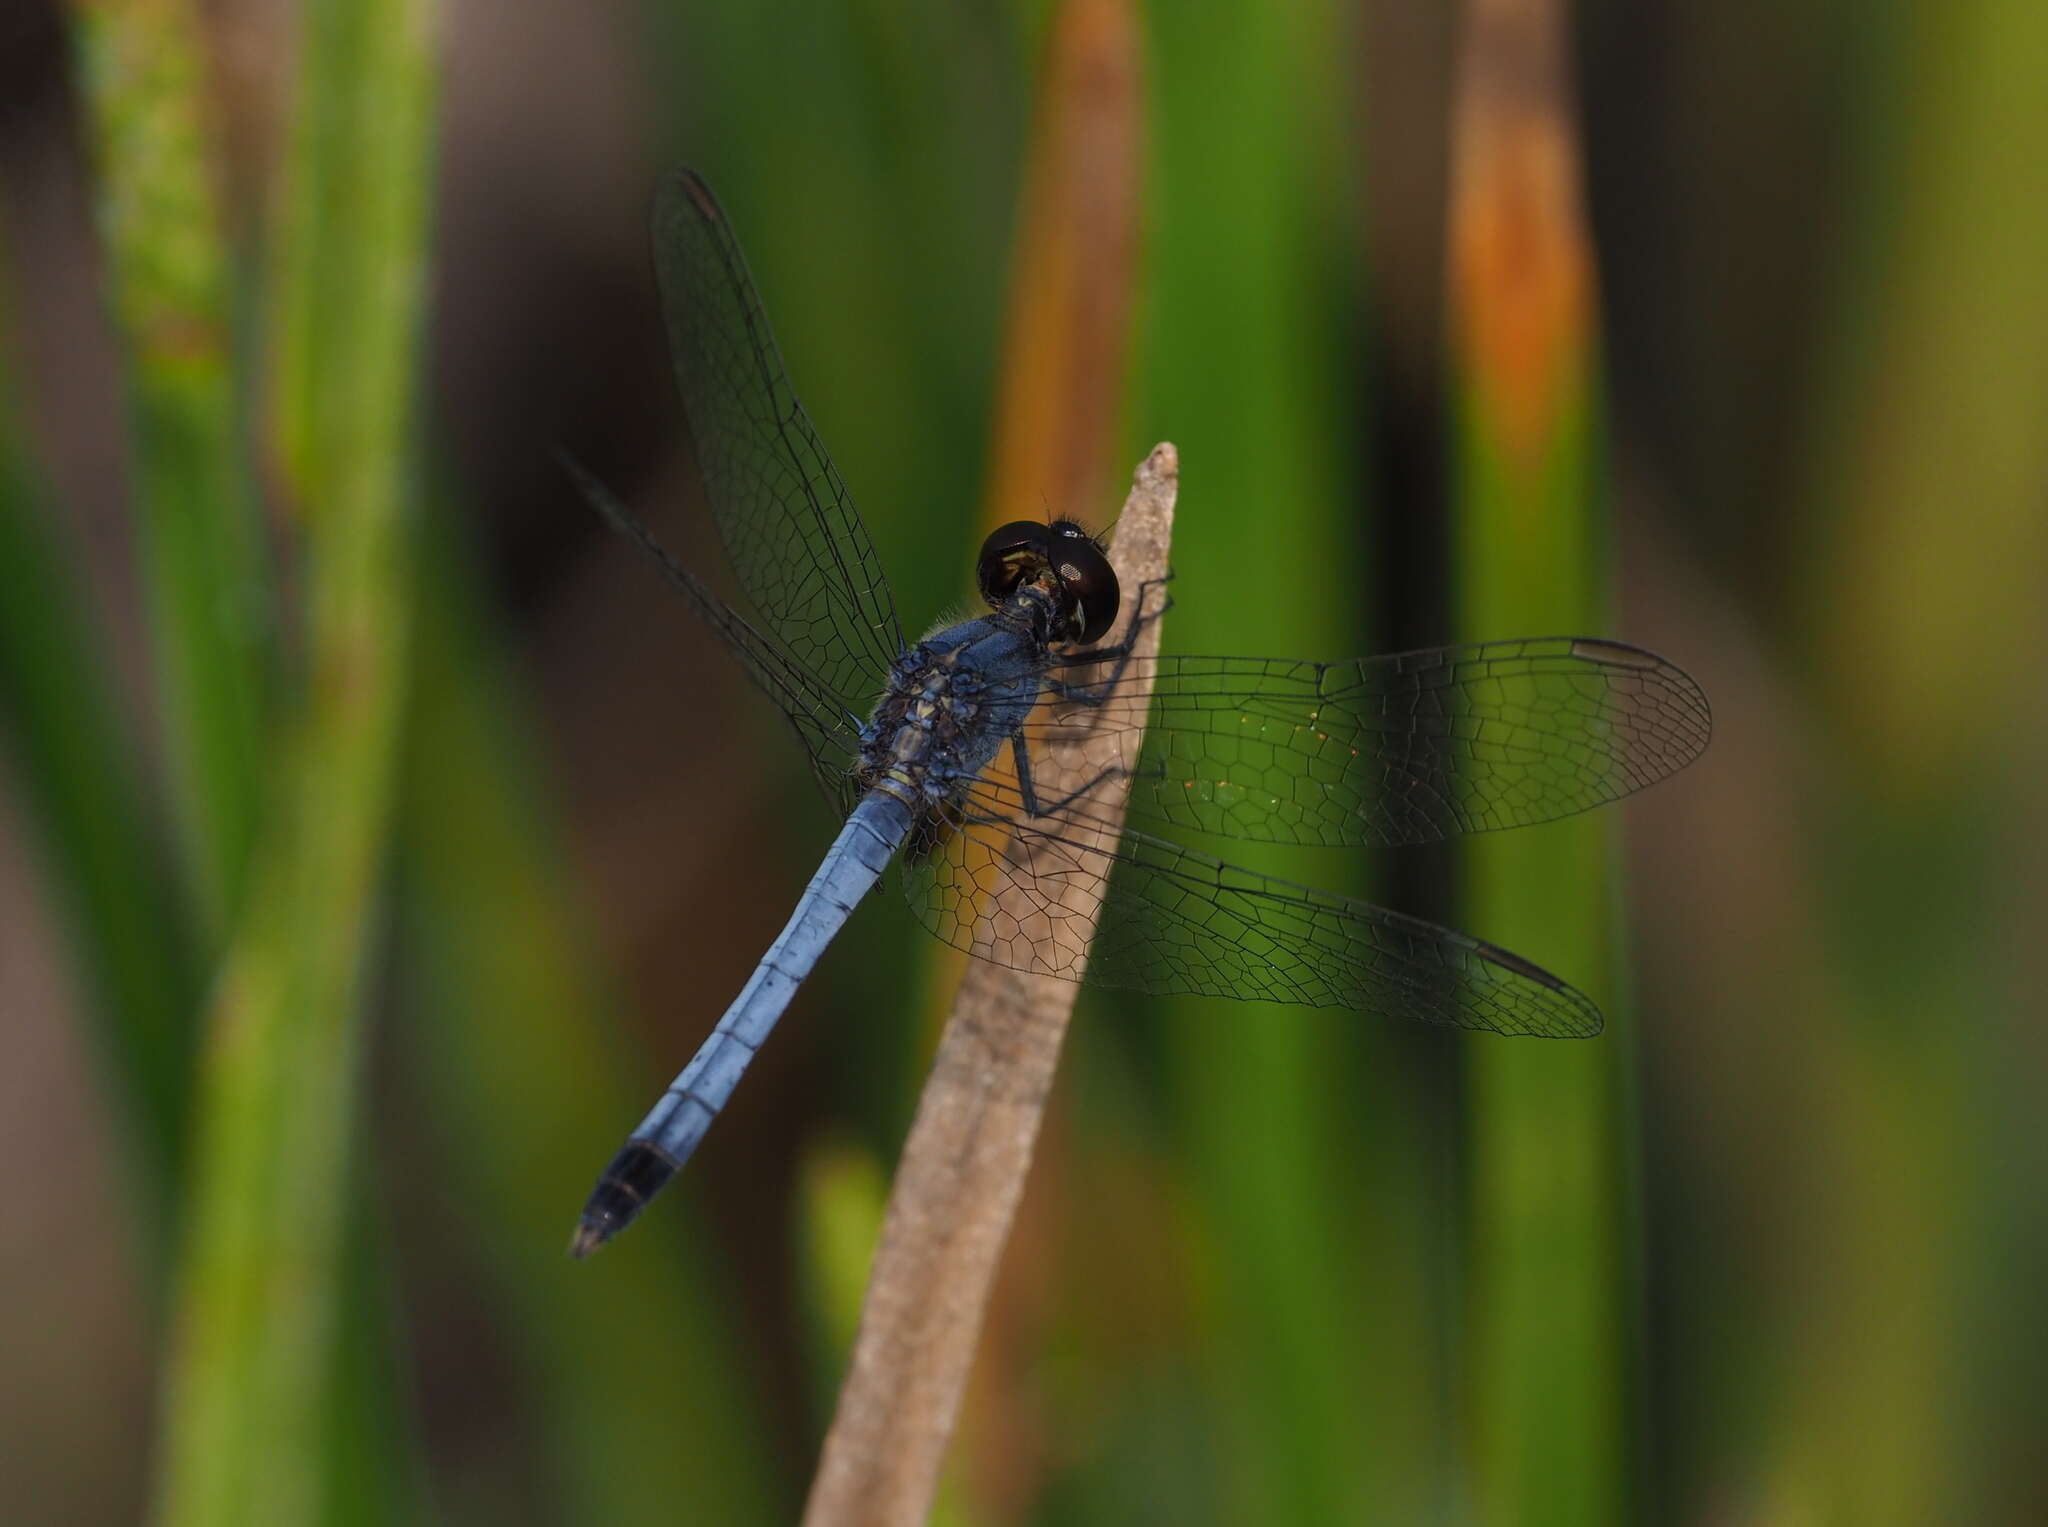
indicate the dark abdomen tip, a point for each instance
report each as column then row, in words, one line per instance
column 634, row 1176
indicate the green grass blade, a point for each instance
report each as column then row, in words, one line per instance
column 246, row 1425
column 71, row 760
column 142, row 71
column 375, row 1467
column 1317, row 1330
column 1549, row 1293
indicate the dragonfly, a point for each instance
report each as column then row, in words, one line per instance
column 926, row 749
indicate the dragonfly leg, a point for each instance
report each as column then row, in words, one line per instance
column 1033, row 807
column 1119, row 655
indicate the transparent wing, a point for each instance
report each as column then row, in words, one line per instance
column 789, row 525
column 1408, row 748
column 829, row 733
column 1177, row 922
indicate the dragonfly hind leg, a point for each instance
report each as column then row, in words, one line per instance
column 1033, row 806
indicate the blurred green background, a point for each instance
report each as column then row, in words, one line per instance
column 377, row 836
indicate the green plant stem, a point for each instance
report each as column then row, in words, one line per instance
column 1287, row 1113
column 142, row 70
column 58, row 719
column 1549, row 1285
column 1549, row 1292
column 244, row 1418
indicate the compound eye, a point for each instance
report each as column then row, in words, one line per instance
column 1010, row 555
column 1090, row 583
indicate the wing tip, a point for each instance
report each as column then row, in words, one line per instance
column 684, row 198
column 1574, row 1015
column 694, row 186
column 1696, row 726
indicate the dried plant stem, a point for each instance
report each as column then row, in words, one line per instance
column 964, row 1165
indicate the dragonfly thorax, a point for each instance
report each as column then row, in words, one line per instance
column 952, row 702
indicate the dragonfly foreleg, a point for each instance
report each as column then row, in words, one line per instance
column 1119, row 655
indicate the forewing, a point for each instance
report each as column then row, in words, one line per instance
column 1407, row 748
column 1177, row 922
column 796, row 541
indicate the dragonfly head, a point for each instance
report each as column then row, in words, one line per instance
column 1065, row 561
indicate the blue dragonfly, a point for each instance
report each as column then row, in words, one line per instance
column 925, row 749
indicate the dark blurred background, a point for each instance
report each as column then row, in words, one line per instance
column 1238, row 1291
